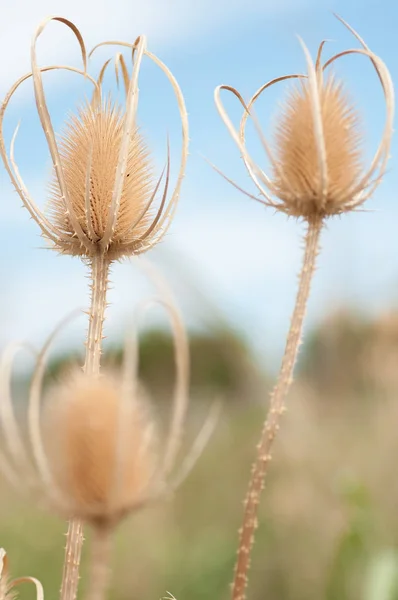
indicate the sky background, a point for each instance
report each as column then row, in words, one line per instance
column 226, row 256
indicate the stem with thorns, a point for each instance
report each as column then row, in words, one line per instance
column 74, row 538
column 99, row 286
column 276, row 409
column 101, row 546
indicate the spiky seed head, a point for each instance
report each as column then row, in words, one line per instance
column 89, row 148
column 102, row 189
column 101, row 448
column 316, row 157
column 296, row 174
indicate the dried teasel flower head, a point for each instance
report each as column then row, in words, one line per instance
column 8, row 585
column 104, row 199
column 101, row 446
column 95, row 451
column 316, row 158
column 91, row 186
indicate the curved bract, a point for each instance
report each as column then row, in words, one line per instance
column 8, row 585
column 103, row 196
column 316, row 155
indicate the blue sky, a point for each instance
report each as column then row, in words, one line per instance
column 241, row 257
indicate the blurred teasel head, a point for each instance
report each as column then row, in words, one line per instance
column 94, row 449
column 316, row 158
column 8, row 585
column 101, row 447
column 104, row 197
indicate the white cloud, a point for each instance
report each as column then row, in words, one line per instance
column 241, row 263
column 47, row 287
column 163, row 21
column 248, row 260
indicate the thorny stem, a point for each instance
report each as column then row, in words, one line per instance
column 70, row 575
column 276, row 409
column 101, row 545
column 74, row 537
column 99, row 286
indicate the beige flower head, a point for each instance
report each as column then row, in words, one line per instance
column 104, row 196
column 101, row 446
column 316, row 157
column 89, row 167
column 95, row 451
column 8, row 585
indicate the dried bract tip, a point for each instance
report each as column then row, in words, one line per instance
column 89, row 149
column 296, row 172
column 100, row 446
column 4, row 578
column 8, row 585
column 316, row 157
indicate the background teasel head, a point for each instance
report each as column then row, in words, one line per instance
column 316, row 158
column 103, row 195
column 8, row 585
column 101, row 446
column 95, row 450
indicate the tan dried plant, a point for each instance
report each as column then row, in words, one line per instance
column 89, row 149
column 8, row 585
column 104, row 200
column 103, row 193
column 100, row 445
column 317, row 172
column 95, row 452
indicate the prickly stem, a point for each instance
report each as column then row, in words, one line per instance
column 276, row 409
column 74, row 537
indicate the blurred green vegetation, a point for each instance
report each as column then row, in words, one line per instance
column 221, row 363
column 329, row 516
column 353, row 353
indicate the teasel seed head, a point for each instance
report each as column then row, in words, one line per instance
column 101, row 447
column 316, row 157
column 296, row 171
column 104, row 197
column 94, row 450
column 89, row 149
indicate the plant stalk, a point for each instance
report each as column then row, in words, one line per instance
column 99, row 575
column 99, row 268
column 276, row 409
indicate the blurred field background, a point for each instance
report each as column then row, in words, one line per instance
column 329, row 519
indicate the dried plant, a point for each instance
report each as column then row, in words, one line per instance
column 95, row 453
column 8, row 585
column 102, row 467
column 91, row 186
column 102, row 192
column 102, row 196
column 317, row 172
